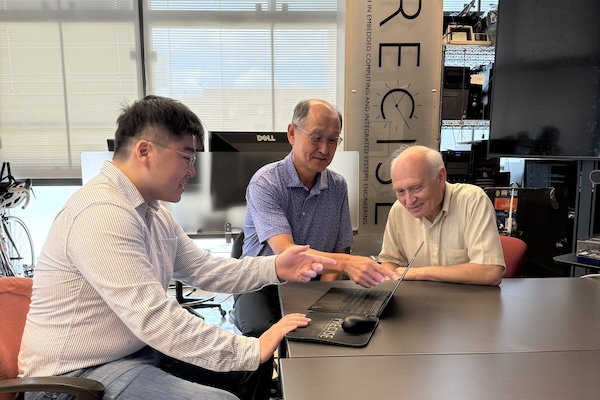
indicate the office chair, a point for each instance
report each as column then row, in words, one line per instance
column 192, row 303
column 15, row 296
column 236, row 252
column 514, row 250
column 238, row 244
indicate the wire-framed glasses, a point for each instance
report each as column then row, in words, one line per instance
column 334, row 141
column 189, row 158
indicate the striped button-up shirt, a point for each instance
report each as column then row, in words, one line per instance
column 101, row 279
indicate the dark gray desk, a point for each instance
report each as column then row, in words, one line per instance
column 571, row 260
column 544, row 375
column 522, row 315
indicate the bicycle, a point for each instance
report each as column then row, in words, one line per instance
column 17, row 247
column 17, row 257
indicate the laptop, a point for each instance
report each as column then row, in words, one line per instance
column 329, row 311
column 370, row 302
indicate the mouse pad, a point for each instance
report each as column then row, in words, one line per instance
column 327, row 328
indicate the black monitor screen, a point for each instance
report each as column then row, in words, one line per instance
column 248, row 141
column 546, row 83
column 552, row 173
column 231, row 172
column 236, row 156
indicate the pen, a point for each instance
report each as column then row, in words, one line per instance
column 374, row 258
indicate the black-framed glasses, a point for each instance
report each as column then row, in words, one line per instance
column 190, row 158
column 335, row 141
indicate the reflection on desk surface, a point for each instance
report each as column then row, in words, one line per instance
column 521, row 315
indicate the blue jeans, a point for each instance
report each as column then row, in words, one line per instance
column 140, row 376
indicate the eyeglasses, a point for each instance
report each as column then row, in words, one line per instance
column 318, row 138
column 189, row 158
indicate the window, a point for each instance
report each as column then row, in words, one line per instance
column 67, row 68
column 242, row 65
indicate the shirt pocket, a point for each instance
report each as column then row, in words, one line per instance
column 457, row 256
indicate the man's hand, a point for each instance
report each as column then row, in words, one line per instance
column 295, row 264
column 366, row 272
column 275, row 334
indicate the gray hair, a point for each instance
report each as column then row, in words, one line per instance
column 433, row 157
column 302, row 108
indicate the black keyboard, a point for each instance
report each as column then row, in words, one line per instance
column 363, row 302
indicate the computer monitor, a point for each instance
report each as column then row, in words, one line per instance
column 231, row 173
column 236, row 156
column 552, row 173
column 248, row 141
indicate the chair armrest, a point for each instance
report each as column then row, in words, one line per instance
column 82, row 388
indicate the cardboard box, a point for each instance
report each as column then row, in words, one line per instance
column 588, row 250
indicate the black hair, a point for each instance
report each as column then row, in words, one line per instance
column 162, row 113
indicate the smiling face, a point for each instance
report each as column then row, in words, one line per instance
column 418, row 187
column 171, row 169
column 309, row 156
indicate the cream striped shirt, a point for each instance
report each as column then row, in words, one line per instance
column 100, row 286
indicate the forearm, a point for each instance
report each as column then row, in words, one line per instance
column 468, row 273
column 363, row 270
column 390, row 266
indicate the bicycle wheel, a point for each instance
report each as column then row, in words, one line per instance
column 19, row 246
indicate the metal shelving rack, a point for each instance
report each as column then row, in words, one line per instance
column 466, row 131
column 468, row 55
column 473, row 56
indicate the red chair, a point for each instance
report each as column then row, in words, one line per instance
column 15, row 296
column 514, row 250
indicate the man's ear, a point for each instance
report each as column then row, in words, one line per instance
column 291, row 134
column 442, row 175
column 142, row 151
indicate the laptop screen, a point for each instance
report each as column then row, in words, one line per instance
column 407, row 267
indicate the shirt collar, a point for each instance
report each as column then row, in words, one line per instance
column 293, row 180
column 447, row 197
column 129, row 191
column 445, row 205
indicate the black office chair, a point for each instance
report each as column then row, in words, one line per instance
column 236, row 252
column 238, row 244
column 192, row 303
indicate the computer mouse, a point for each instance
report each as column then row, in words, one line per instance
column 359, row 323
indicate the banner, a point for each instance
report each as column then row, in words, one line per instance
column 393, row 87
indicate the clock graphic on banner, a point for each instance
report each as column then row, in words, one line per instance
column 397, row 107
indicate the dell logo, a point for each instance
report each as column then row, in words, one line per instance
column 265, row 138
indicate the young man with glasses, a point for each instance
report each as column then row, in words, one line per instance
column 100, row 307
column 298, row 200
